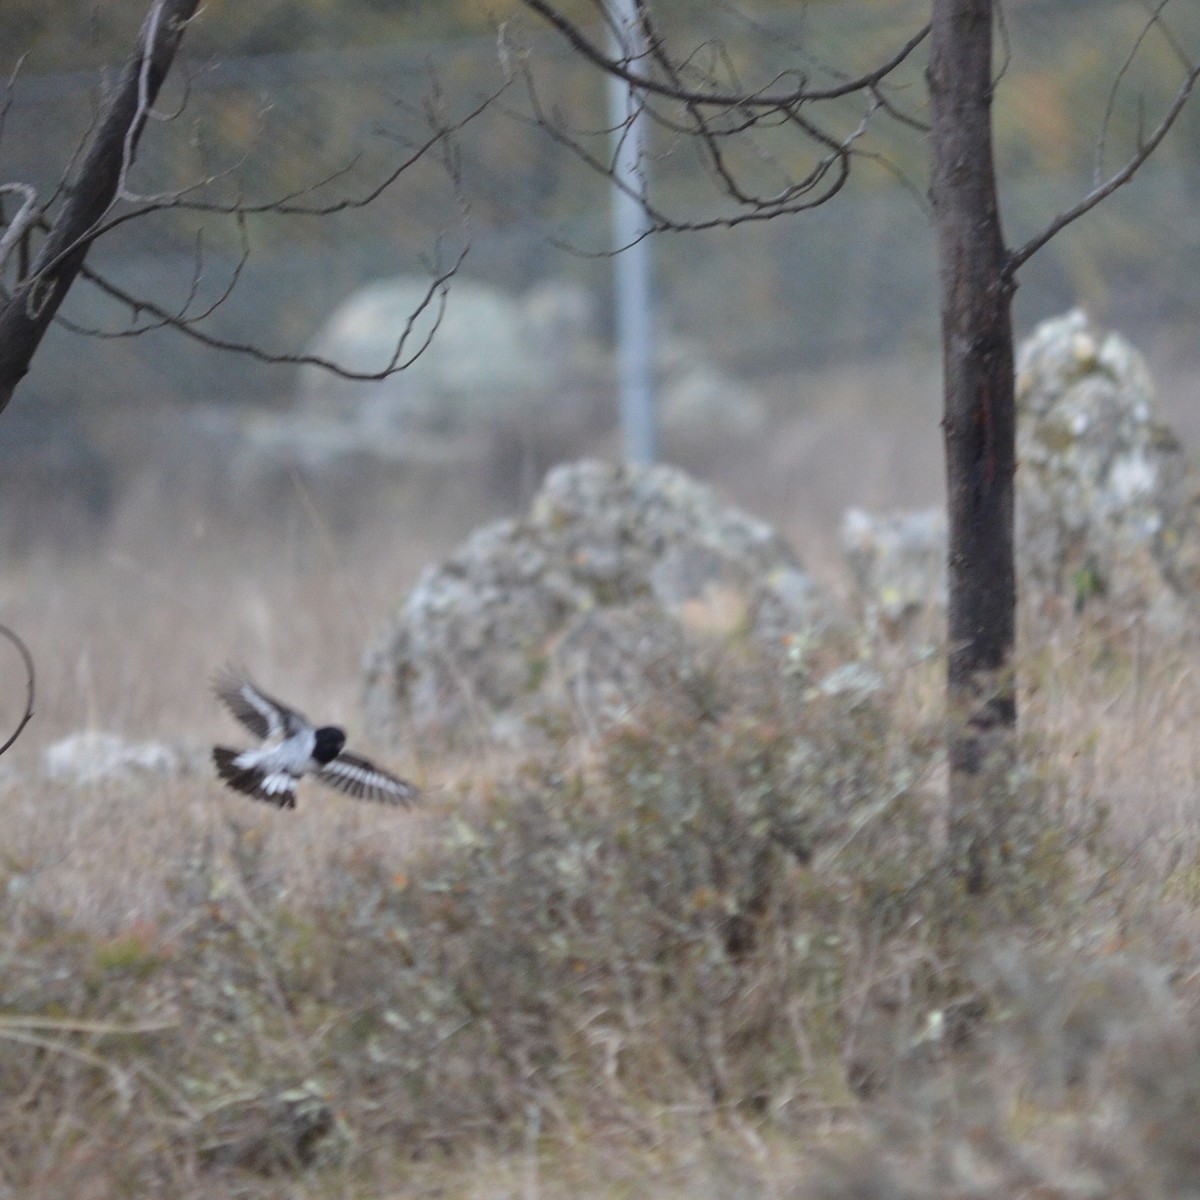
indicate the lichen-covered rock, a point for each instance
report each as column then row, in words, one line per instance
column 583, row 609
column 898, row 561
column 1107, row 510
column 1106, row 502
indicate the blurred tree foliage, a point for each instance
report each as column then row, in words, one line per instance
column 1059, row 80
column 86, row 33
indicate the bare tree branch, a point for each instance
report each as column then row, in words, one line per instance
column 1145, row 148
column 1110, row 103
column 20, row 225
column 400, row 358
column 737, row 127
column 111, row 146
column 26, row 316
column 673, row 90
column 183, row 314
column 283, row 206
column 184, row 320
column 6, row 103
column 27, row 659
column 658, row 221
column 403, row 354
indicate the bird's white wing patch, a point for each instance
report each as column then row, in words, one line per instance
column 362, row 779
column 272, row 717
column 263, row 715
column 277, row 784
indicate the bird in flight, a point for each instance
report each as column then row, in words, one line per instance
column 292, row 748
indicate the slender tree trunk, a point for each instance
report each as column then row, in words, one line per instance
column 26, row 315
column 979, row 424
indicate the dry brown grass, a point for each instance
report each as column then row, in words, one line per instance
column 602, row 975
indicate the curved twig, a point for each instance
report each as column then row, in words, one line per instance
column 1101, row 191
column 613, row 65
column 27, row 658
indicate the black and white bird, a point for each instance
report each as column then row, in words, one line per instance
column 292, row 748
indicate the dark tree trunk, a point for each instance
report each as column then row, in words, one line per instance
column 27, row 314
column 979, row 423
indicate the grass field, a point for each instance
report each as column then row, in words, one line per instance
column 603, row 973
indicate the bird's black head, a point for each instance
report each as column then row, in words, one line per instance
column 329, row 743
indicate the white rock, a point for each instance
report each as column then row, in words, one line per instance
column 93, row 756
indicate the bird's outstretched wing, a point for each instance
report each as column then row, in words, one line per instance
column 362, row 779
column 263, row 715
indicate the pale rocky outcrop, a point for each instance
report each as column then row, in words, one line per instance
column 1106, row 506
column 1107, row 513
column 584, row 609
column 898, row 561
column 95, row 757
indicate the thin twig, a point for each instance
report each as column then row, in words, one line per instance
column 27, row 658
column 1111, row 103
column 399, row 360
column 20, row 225
column 9, row 1021
column 1122, row 177
column 763, row 99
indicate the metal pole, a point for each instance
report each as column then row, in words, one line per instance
column 634, row 318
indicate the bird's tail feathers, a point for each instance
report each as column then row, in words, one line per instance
column 247, row 780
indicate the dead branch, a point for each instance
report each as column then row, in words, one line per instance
column 27, row 659
column 699, row 98
column 406, row 349
column 26, row 316
column 90, row 210
column 284, row 206
column 6, row 102
column 21, row 224
column 820, row 183
column 402, row 355
column 1146, row 147
column 673, row 89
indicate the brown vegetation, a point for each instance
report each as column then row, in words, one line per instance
column 713, row 954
